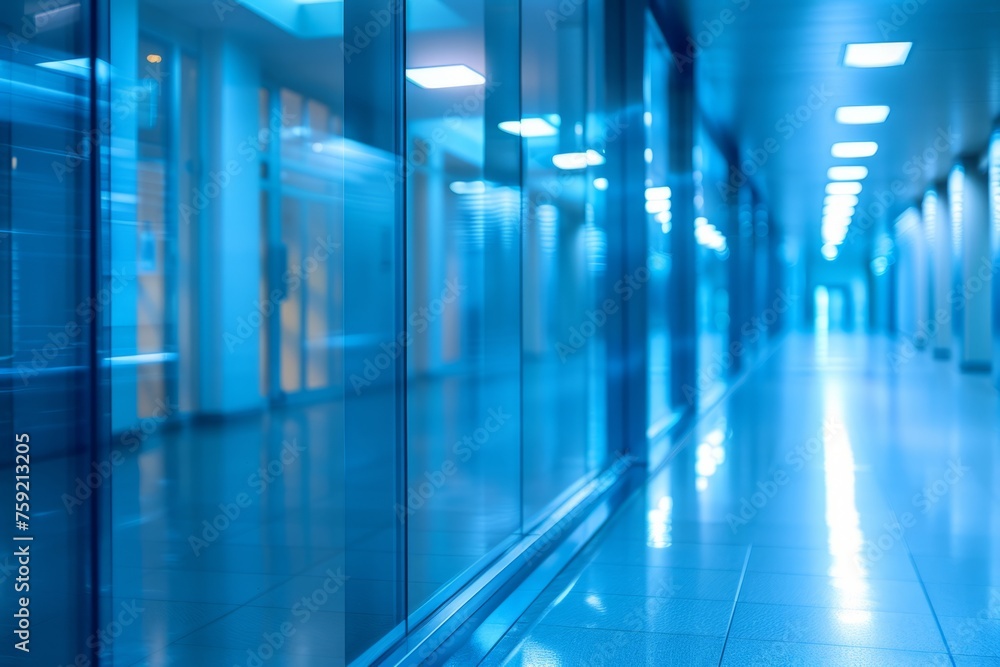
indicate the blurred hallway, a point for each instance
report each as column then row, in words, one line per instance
column 831, row 510
column 404, row 332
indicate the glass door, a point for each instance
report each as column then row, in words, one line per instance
column 302, row 272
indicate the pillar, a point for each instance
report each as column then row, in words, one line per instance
column 977, row 271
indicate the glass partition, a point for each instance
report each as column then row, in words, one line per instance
column 463, row 304
column 52, row 305
column 564, row 247
column 660, row 219
column 713, row 227
column 255, row 421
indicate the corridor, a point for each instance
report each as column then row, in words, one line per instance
column 357, row 333
column 838, row 507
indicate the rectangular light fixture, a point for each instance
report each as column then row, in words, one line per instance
column 869, row 115
column 841, row 200
column 843, row 188
column 854, row 149
column 445, row 76
column 657, row 194
column 880, row 54
column 468, row 187
column 847, row 173
column 529, row 127
column 658, row 206
column 570, row 161
column 837, row 211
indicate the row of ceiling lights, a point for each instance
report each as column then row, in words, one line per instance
column 845, row 180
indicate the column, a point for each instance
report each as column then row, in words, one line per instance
column 977, row 270
column 937, row 223
column 229, row 234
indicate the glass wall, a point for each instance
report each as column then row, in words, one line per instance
column 364, row 350
column 52, row 305
column 463, row 259
column 713, row 210
column 344, row 322
column 660, row 215
column 564, row 247
column 252, row 200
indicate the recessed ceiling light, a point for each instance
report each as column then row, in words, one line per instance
column 529, row 127
column 847, row 173
column 446, row 76
column 657, row 194
column 468, row 187
column 570, row 161
column 854, row 149
column 835, row 211
column 843, row 188
column 881, row 54
column 834, row 236
column 841, row 200
column 862, row 115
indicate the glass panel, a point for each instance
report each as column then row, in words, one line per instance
column 463, row 303
column 253, row 499
column 563, row 245
column 660, row 218
column 49, row 381
column 712, row 227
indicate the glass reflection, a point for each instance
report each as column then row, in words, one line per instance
column 564, row 248
column 713, row 211
column 660, row 223
column 845, row 540
column 463, row 217
column 239, row 182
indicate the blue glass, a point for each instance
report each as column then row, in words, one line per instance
column 463, row 303
column 660, row 213
column 256, row 396
column 51, row 310
column 564, row 246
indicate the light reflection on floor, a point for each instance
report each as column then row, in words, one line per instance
column 854, row 510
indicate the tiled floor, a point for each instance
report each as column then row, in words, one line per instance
column 833, row 510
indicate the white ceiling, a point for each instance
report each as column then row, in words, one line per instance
column 764, row 64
